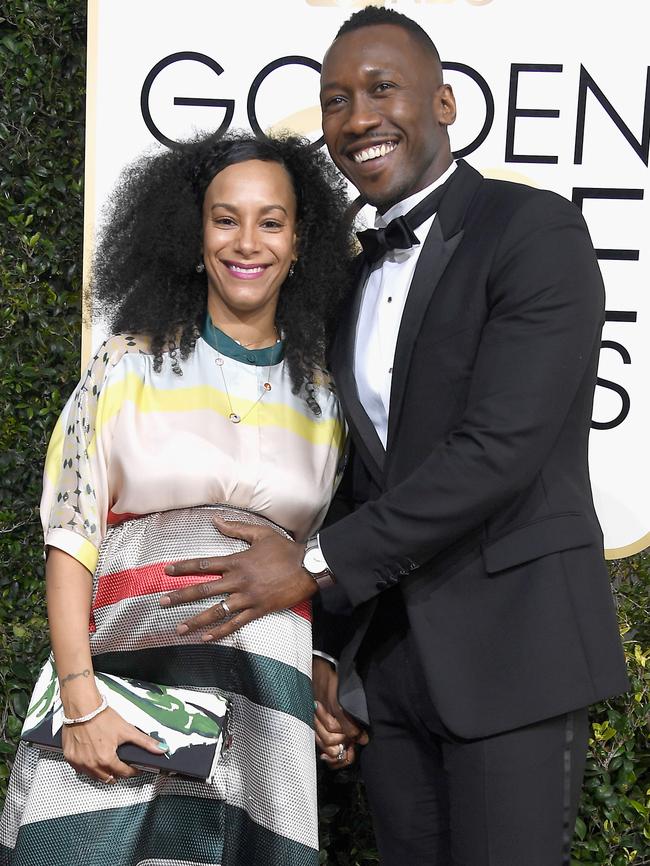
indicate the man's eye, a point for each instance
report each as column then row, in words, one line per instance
column 384, row 85
column 334, row 102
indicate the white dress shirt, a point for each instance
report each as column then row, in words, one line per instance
column 380, row 314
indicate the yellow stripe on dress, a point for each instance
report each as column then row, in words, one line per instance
column 317, row 431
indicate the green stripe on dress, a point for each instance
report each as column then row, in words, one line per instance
column 263, row 680
column 187, row 829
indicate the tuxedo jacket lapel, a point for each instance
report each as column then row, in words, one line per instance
column 431, row 265
column 441, row 243
column 364, row 433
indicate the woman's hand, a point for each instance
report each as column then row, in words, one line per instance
column 91, row 747
column 335, row 749
column 337, row 733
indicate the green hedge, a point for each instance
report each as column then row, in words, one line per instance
column 42, row 69
column 42, row 46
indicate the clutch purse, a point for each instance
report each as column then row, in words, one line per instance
column 194, row 724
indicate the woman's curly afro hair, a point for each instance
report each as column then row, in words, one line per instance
column 144, row 276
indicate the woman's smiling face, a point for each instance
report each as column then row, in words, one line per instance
column 249, row 236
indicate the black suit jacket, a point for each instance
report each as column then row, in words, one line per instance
column 480, row 508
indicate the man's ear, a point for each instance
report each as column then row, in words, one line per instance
column 444, row 103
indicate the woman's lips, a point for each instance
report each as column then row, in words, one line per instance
column 245, row 271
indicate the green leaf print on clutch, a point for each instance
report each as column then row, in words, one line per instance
column 163, row 704
column 194, row 724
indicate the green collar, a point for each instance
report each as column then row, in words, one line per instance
column 225, row 345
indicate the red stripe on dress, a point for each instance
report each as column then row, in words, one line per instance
column 151, row 579
column 112, row 517
column 303, row 609
column 144, row 580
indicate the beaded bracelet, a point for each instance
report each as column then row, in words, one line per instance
column 100, row 709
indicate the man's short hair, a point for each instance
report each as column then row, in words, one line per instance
column 369, row 16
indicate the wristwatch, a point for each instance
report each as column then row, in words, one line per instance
column 314, row 564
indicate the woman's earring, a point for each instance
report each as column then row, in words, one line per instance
column 200, row 268
column 292, row 268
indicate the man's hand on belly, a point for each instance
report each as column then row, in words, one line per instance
column 267, row 577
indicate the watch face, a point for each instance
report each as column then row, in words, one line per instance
column 314, row 561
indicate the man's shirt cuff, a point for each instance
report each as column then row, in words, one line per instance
column 327, row 658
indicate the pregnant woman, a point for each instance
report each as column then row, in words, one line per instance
column 218, row 271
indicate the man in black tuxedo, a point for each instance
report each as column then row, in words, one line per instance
column 466, row 545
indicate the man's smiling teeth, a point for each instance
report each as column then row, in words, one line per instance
column 374, row 152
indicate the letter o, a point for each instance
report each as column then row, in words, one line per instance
column 262, row 75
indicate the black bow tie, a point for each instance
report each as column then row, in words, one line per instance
column 399, row 234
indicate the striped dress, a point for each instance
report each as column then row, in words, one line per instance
column 131, row 443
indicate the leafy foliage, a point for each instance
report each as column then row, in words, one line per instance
column 42, row 68
column 614, row 827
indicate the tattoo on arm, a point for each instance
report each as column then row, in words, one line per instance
column 85, row 673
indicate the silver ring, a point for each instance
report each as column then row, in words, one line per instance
column 225, row 607
column 109, row 780
column 341, row 753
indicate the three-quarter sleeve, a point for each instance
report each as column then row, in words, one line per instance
column 76, row 498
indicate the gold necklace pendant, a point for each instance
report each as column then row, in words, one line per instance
column 235, row 417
